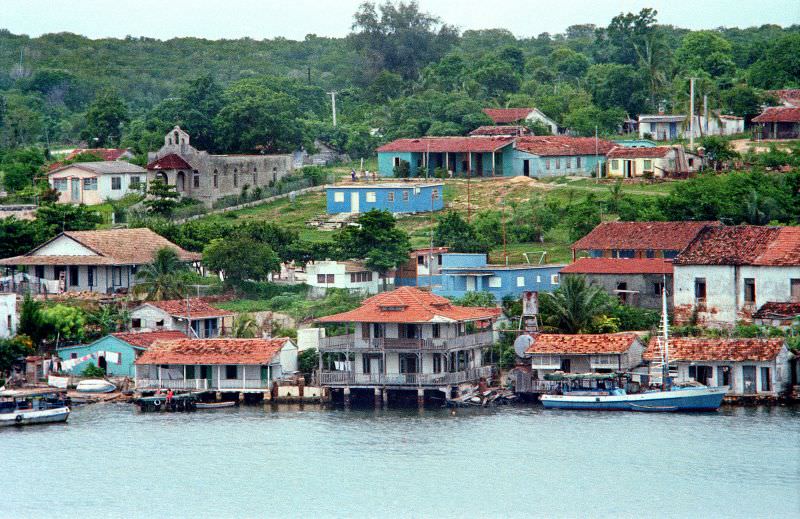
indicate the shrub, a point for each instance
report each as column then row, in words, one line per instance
column 93, row 371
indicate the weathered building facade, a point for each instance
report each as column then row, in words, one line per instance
column 636, row 282
column 584, row 353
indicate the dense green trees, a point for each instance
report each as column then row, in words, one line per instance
column 104, row 120
column 376, row 239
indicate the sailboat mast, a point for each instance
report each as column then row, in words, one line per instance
column 665, row 331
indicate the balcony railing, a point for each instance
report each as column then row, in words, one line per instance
column 348, row 378
column 352, row 343
column 201, row 384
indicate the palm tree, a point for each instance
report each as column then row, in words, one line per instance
column 572, row 306
column 244, row 327
column 161, row 279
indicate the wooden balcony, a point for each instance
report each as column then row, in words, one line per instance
column 348, row 378
column 202, row 384
column 351, row 343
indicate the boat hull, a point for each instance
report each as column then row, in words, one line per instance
column 694, row 399
column 95, row 386
column 31, row 417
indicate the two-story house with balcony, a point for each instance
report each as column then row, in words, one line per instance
column 194, row 317
column 406, row 341
column 727, row 273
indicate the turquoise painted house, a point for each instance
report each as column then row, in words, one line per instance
column 478, row 156
column 395, row 197
column 115, row 352
column 558, row 156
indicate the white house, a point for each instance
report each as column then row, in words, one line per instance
column 747, row 366
column 194, row 317
column 726, row 273
column 95, row 182
column 515, row 115
column 352, row 275
column 585, row 353
column 8, row 315
column 97, row 261
column 225, row 365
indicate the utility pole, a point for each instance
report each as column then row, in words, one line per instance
column 333, row 106
column 691, row 113
column 596, row 157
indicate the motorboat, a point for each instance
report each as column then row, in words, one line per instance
column 95, row 385
column 216, row 405
column 33, row 406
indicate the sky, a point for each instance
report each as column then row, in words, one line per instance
column 293, row 19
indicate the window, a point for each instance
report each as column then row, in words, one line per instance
column 766, row 383
column 406, row 195
column 378, row 330
column 231, row 371
column 437, row 362
column 546, row 361
column 624, row 253
column 117, row 276
column 160, row 324
column 235, row 180
column 116, row 183
column 329, row 278
column 658, row 287
column 495, row 282
column 74, row 278
column 577, row 162
column 136, row 323
column 615, row 164
column 136, row 182
column 648, row 165
column 360, row 277
column 190, row 373
column 73, row 355
column 338, row 196
column 650, row 253
column 216, row 180
column 390, row 196
column 794, row 290
column 420, row 260
column 38, row 271
column 90, row 184
column 60, row 184
column 371, row 196
column 558, row 163
column 538, row 278
column 700, row 290
column 436, row 330
column 547, row 164
column 669, row 254
column 91, row 272
column 568, row 162
column 321, row 279
column 435, row 194
column 396, row 161
column 749, row 290
column 196, row 179
column 520, row 281
column 554, row 279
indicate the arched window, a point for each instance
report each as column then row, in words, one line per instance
column 177, row 138
column 235, row 180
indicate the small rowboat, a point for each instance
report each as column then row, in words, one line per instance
column 95, row 385
column 215, row 405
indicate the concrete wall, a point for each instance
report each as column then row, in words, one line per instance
column 106, row 278
column 341, row 279
column 779, row 373
column 500, row 282
column 127, row 353
column 540, row 167
column 8, row 315
column 643, row 283
column 104, row 189
column 725, row 303
column 659, row 167
column 421, row 198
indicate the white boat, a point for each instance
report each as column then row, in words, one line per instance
column 95, row 385
column 32, row 407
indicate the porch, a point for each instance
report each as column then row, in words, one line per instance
column 238, row 378
column 352, row 343
column 349, row 378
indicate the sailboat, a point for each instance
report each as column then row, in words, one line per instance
column 667, row 399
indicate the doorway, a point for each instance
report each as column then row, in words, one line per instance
column 526, row 167
column 76, row 190
column 102, row 364
column 408, row 363
column 479, row 164
column 565, row 365
column 749, row 380
column 354, row 206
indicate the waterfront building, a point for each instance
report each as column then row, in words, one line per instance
column 104, row 261
column 351, row 275
column 637, row 239
column 395, row 197
column 635, row 281
column 749, row 367
column 404, row 341
column 726, row 273
column 462, row 273
column 584, row 353
column 195, row 317
column 423, row 268
column 93, row 183
column 222, row 365
column 115, row 353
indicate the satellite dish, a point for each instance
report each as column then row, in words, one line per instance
column 522, row 343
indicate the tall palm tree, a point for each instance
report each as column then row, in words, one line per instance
column 244, row 327
column 161, row 279
column 573, row 305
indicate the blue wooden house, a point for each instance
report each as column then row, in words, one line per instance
column 462, row 273
column 395, row 197
column 559, row 155
column 115, row 352
column 476, row 156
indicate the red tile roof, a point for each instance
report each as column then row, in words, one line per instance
column 623, row 152
column 507, row 115
column 171, row 161
column 424, row 252
column 775, row 310
column 788, row 95
column 695, row 349
column 198, row 309
column 744, row 245
column 779, row 114
column 447, row 144
column 146, row 339
column 103, row 153
column 500, row 130
column 640, row 235
column 411, row 305
column 583, row 344
column 213, row 351
column 619, row 266
column 562, row 145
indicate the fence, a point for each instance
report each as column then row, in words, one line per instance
column 351, row 343
column 342, row 378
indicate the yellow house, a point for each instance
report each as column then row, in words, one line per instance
column 653, row 162
column 95, row 182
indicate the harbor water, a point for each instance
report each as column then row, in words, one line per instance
column 110, row 460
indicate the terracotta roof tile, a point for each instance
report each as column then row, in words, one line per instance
column 640, row 236
column 694, row 349
column 582, row 344
column 171, row 161
column 198, row 308
column 619, row 266
column 103, row 153
column 624, row 152
column 411, row 305
column 447, row 144
column 776, row 310
column 500, row 130
column 507, row 115
column 562, row 145
column 146, row 339
column 778, row 114
column 744, row 245
column 213, row 351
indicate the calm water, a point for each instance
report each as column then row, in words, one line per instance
column 112, row 461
